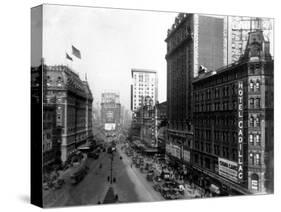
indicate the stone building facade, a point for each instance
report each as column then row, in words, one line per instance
column 73, row 100
column 233, row 122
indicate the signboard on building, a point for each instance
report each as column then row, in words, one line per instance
column 227, row 169
column 168, row 148
column 173, row 150
column 109, row 116
column 177, row 151
column 109, row 126
column 186, row 155
column 240, row 131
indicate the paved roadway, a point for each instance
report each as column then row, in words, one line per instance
column 130, row 186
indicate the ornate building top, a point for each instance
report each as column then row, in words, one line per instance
column 61, row 77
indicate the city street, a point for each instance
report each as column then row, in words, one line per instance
column 130, row 185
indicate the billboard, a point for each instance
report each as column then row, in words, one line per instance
column 186, row 155
column 109, row 126
column 228, row 169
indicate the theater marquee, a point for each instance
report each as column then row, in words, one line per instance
column 240, row 131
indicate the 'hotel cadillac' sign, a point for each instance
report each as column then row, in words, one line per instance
column 240, row 131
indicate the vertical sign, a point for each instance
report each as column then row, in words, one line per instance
column 240, row 132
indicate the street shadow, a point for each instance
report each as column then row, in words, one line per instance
column 24, row 198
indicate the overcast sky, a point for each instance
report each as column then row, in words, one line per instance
column 111, row 42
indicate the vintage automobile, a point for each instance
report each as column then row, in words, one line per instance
column 78, row 176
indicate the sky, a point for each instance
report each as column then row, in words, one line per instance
column 111, row 42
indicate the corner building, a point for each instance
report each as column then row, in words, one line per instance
column 233, row 123
column 72, row 99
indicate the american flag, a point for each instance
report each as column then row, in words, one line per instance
column 76, row 52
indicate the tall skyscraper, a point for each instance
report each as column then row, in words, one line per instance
column 144, row 87
column 194, row 42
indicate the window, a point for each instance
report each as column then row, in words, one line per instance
column 234, row 103
column 257, row 121
column 251, row 103
column 258, row 139
column 251, row 159
column 234, row 154
column 252, row 69
column 251, row 139
column 251, row 121
column 251, row 85
column 257, row 85
column 257, row 159
column 258, row 102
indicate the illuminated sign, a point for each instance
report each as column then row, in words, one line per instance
column 228, row 169
column 109, row 126
column 240, row 131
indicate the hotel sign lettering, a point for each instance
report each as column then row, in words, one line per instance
column 240, row 132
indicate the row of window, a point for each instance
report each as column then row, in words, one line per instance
column 143, row 78
column 224, row 91
column 254, row 103
column 227, row 121
column 220, row 151
column 225, row 136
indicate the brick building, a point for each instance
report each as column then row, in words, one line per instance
column 233, row 123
